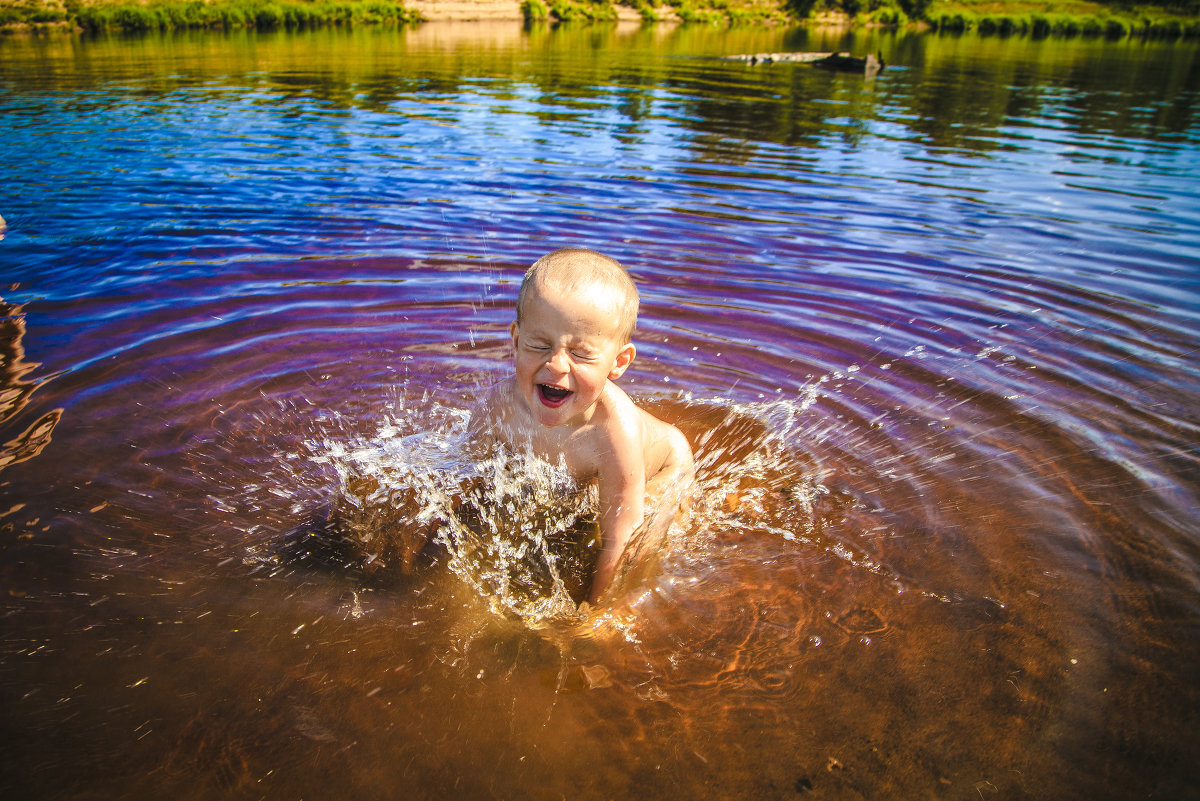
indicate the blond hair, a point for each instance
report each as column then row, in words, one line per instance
column 580, row 270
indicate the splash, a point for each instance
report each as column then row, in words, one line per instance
column 516, row 529
column 407, row 493
column 520, row 532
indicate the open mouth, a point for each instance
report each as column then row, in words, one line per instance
column 552, row 396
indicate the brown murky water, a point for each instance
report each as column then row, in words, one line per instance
column 932, row 337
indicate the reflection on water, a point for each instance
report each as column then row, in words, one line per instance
column 931, row 335
column 15, row 390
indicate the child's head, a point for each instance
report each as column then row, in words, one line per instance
column 578, row 271
column 576, row 312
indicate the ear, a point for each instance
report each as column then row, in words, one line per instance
column 512, row 332
column 624, row 359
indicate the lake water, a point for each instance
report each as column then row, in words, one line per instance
column 933, row 336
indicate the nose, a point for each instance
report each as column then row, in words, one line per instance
column 558, row 361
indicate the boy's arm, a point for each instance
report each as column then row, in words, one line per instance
column 622, row 490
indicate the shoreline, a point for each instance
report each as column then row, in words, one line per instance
column 1016, row 18
column 467, row 10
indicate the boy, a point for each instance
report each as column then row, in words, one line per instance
column 576, row 312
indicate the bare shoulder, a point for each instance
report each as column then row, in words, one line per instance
column 667, row 449
column 664, row 448
column 618, row 426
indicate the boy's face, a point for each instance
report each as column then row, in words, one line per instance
column 567, row 349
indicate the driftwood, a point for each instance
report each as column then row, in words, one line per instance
column 842, row 62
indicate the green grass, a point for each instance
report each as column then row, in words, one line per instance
column 697, row 11
column 729, row 11
column 165, row 15
column 1105, row 23
column 1172, row 19
column 582, row 11
column 538, row 12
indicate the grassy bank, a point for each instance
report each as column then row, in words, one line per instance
column 1064, row 19
column 701, row 11
column 197, row 14
column 1175, row 19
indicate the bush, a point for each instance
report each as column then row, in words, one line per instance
column 914, row 9
column 799, row 8
column 268, row 18
column 951, row 23
column 534, row 11
column 230, row 17
column 1165, row 29
column 689, row 13
column 646, row 10
column 1066, row 26
column 888, row 16
column 571, row 10
column 1011, row 25
column 48, row 15
column 137, row 18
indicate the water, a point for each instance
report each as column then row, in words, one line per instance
column 932, row 335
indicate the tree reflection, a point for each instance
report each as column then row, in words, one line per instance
column 947, row 91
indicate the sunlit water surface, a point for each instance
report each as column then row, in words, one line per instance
column 932, row 335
